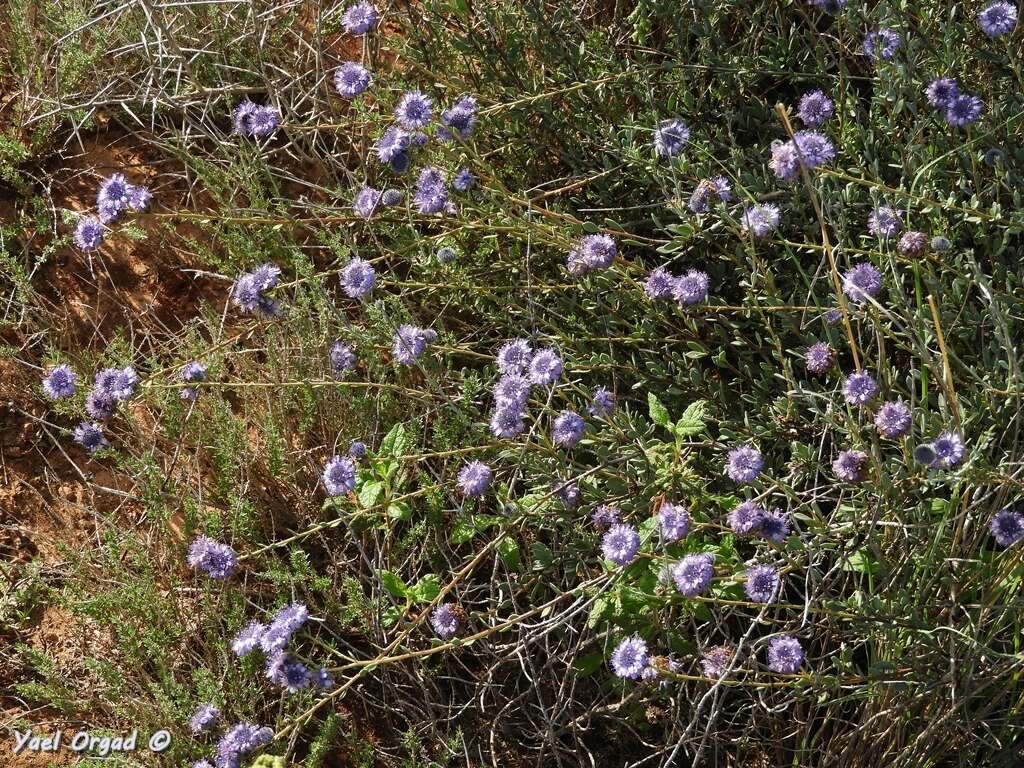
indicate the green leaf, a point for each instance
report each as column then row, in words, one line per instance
column 508, row 548
column 588, row 664
column 396, row 442
column 370, row 492
column 657, row 411
column 393, row 584
column 861, row 561
column 542, row 556
column 598, row 611
column 692, row 420
column 399, row 510
column 426, row 589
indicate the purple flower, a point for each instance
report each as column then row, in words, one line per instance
column 322, row 678
column 691, row 288
column 445, row 255
column 785, row 654
column 391, row 144
column 356, row 449
column 820, row 357
column 255, row 120
column 882, row 43
column 940, row 243
column 744, row 464
column 629, row 659
column 288, row 620
column 414, row 110
column 285, row 671
column 512, row 391
column 113, row 196
column 859, row 388
column 359, row 18
column 60, row 382
column 507, row 422
column 762, row 583
column 673, row 521
column 746, row 518
column 659, row 284
column 248, row 638
column 775, row 526
column 474, row 478
column 216, row 560
column 339, row 475
column 811, row 148
column 567, row 429
column 365, row 202
column 885, row 222
column 117, row 383
column 431, row 190
column 514, row 356
column 249, row 290
column 99, row 405
column 964, row 110
column 941, row 92
column 913, row 243
column 606, row 515
column 621, row 543
column 590, row 253
column 708, row 190
column 447, row 619
column 358, row 278
column 715, row 661
column 861, row 282
column 89, row 435
column 545, row 367
column 815, row 108
column 603, row 403
column 391, row 197
column 693, row 573
column 343, row 359
column 463, row 180
column 240, row 740
column 759, row 220
column 997, row 19
column 89, row 233
column 400, row 162
column 670, row 137
column 569, row 493
column 203, row 717
column 1007, row 527
column 351, row 79
column 892, row 419
column 202, row 764
column 949, row 450
column 193, row 372
column 410, row 341
column 848, row 465
column 459, row 120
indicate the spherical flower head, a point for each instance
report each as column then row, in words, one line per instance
column 241, row 119
column 673, row 522
column 89, row 233
column 811, row 148
column 949, row 450
column 862, row 282
column 746, row 518
column 459, row 120
column 216, row 560
column 203, row 764
column 941, row 92
column 848, row 465
column 358, row 278
column 194, row 372
column 359, row 18
column 715, row 661
column 512, row 391
column 830, row 6
column 691, row 288
column 882, row 43
column 815, row 108
column 569, row 494
column 285, row 671
column 620, row 543
column 339, row 475
column 400, row 163
column 343, row 359
column 913, row 243
column 964, row 110
column 463, row 180
column 507, row 422
column 760, row 220
column 941, row 244
column 515, row 356
column 366, row 201
column 60, row 382
column 89, row 435
column 892, row 419
column 997, row 19
column 762, row 584
column 567, row 429
column 545, row 367
column 117, row 383
column 659, row 284
column 744, row 464
column 240, row 740
column 288, row 620
column 264, row 121
column 993, row 157
column 606, row 515
column 630, row 658
column 474, row 478
column 819, row 357
column 785, row 161
column 445, row 255
column 775, row 526
column 693, row 573
column 391, row 144
column 115, row 192
column 139, row 197
column 590, row 253
column 249, row 289
column 860, row 388
column 885, row 222
column 670, row 137
column 248, row 639
column 203, row 718
column 431, row 193
column 447, row 619
column 709, row 191
column 99, row 405
column 1007, row 527
column 785, row 654
column 351, row 79
column 410, row 342
column 603, row 403
column 391, row 197
column 415, row 110
column 356, row 449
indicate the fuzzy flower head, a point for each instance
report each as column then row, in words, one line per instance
column 567, row 429
column 285, row 671
column 949, row 450
column 760, row 220
column 775, row 526
column 964, row 110
column 746, row 518
column 603, row 403
column 463, row 180
column 848, row 465
column 568, row 493
column 709, row 191
column 240, row 740
column 941, row 92
column 392, row 144
column 89, row 233
column 659, row 284
column 859, row 388
column 249, row 291
column 339, row 475
column 862, row 282
column 744, row 464
column 670, row 137
column 882, row 43
column 785, row 654
column 1007, row 527
column 474, row 478
column 545, row 367
column 431, row 193
column 203, row 718
column 819, row 357
column 673, row 522
column 715, row 661
column 255, row 120
column 459, row 120
column 89, row 435
column 99, row 405
column 998, row 19
column 762, row 584
column 815, row 108
column 410, row 342
column 358, row 278
column 351, row 79
column 216, row 560
column 913, row 243
column 691, row 288
column 630, row 658
column 892, row 419
column 811, row 148
column 288, row 620
column 885, row 222
column 515, row 356
column 621, row 543
column 512, row 391
column 359, row 18
column 366, row 202
column 693, row 573
column 507, row 421
column 591, row 253
column 414, row 110
column 343, row 359
column 60, row 382
column 606, row 515
column 447, row 619
column 248, row 639
column 117, row 383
